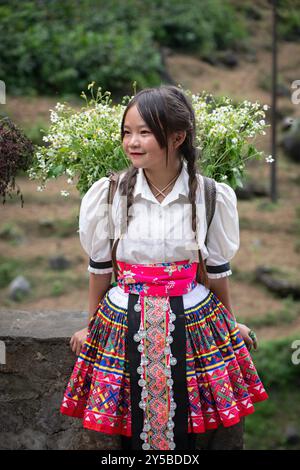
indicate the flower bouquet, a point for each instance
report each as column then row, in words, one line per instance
column 85, row 144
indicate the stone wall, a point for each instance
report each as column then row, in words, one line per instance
column 38, row 365
column 37, row 368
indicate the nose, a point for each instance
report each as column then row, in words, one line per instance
column 133, row 140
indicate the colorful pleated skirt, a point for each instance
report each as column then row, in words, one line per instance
column 218, row 384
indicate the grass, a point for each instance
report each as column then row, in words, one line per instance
column 43, row 198
column 242, row 276
column 289, row 312
column 44, row 281
column 290, row 276
column 47, row 227
column 268, row 206
column 246, row 223
column 11, row 233
column 36, row 131
column 266, row 428
column 278, row 273
column 9, row 269
column 295, row 228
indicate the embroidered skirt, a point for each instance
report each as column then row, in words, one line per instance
column 221, row 381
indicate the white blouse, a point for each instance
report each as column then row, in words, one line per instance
column 160, row 232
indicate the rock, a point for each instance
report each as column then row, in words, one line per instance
column 12, row 233
column 257, row 243
column 251, row 56
column 282, row 90
column 250, row 190
column 46, row 227
column 290, row 142
column 210, row 59
column 292, row 435
column 228, row 58
column 59, row 263
column 279, row 286
column 19, row 288
column 252, row 12
column 287, row 122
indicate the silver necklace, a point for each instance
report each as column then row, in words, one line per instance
column 161, row 191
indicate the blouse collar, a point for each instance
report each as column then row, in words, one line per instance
column 181, row 186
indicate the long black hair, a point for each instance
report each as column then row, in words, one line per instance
column 165, row 110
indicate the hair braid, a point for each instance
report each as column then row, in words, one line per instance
column 190, row 154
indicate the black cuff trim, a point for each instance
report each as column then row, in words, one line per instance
column 222, row 268
column 100, row 265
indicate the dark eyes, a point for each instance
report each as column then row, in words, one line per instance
column 142, row 132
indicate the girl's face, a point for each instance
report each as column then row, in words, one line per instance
column 140, row 144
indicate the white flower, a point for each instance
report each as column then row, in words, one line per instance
column 269, row 159
column 234, row 140
column 265, row 107
column 64, row 193
column 53, row 116
column 59, row 107
column 69, row 181
column 70, row 172
column 262, row 122
column 39, row 188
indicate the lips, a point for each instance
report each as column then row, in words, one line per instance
column 136, row 154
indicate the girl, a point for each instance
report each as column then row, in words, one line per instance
column 163, row 359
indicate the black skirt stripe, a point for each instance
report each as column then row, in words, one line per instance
column 180, row 391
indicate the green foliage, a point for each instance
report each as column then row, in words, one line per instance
column 58, row 288
column 9, row 269
column 289, row 19
column 279, row 372
column 266, row 428
column 201, row 27
column 274, row 363
column 10, row 232
column 55, row 47
column 50, row 47
column 34, row 131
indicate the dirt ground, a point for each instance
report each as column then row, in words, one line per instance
column 268, row 237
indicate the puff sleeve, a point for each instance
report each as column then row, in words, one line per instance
column 223, row 238
column 94, row 228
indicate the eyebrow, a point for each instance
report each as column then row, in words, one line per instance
column 139, row 127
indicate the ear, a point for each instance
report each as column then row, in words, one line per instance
column 178, row 138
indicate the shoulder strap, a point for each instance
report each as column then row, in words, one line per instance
column 210, row 199
column 114, row 180
column 210, row 203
